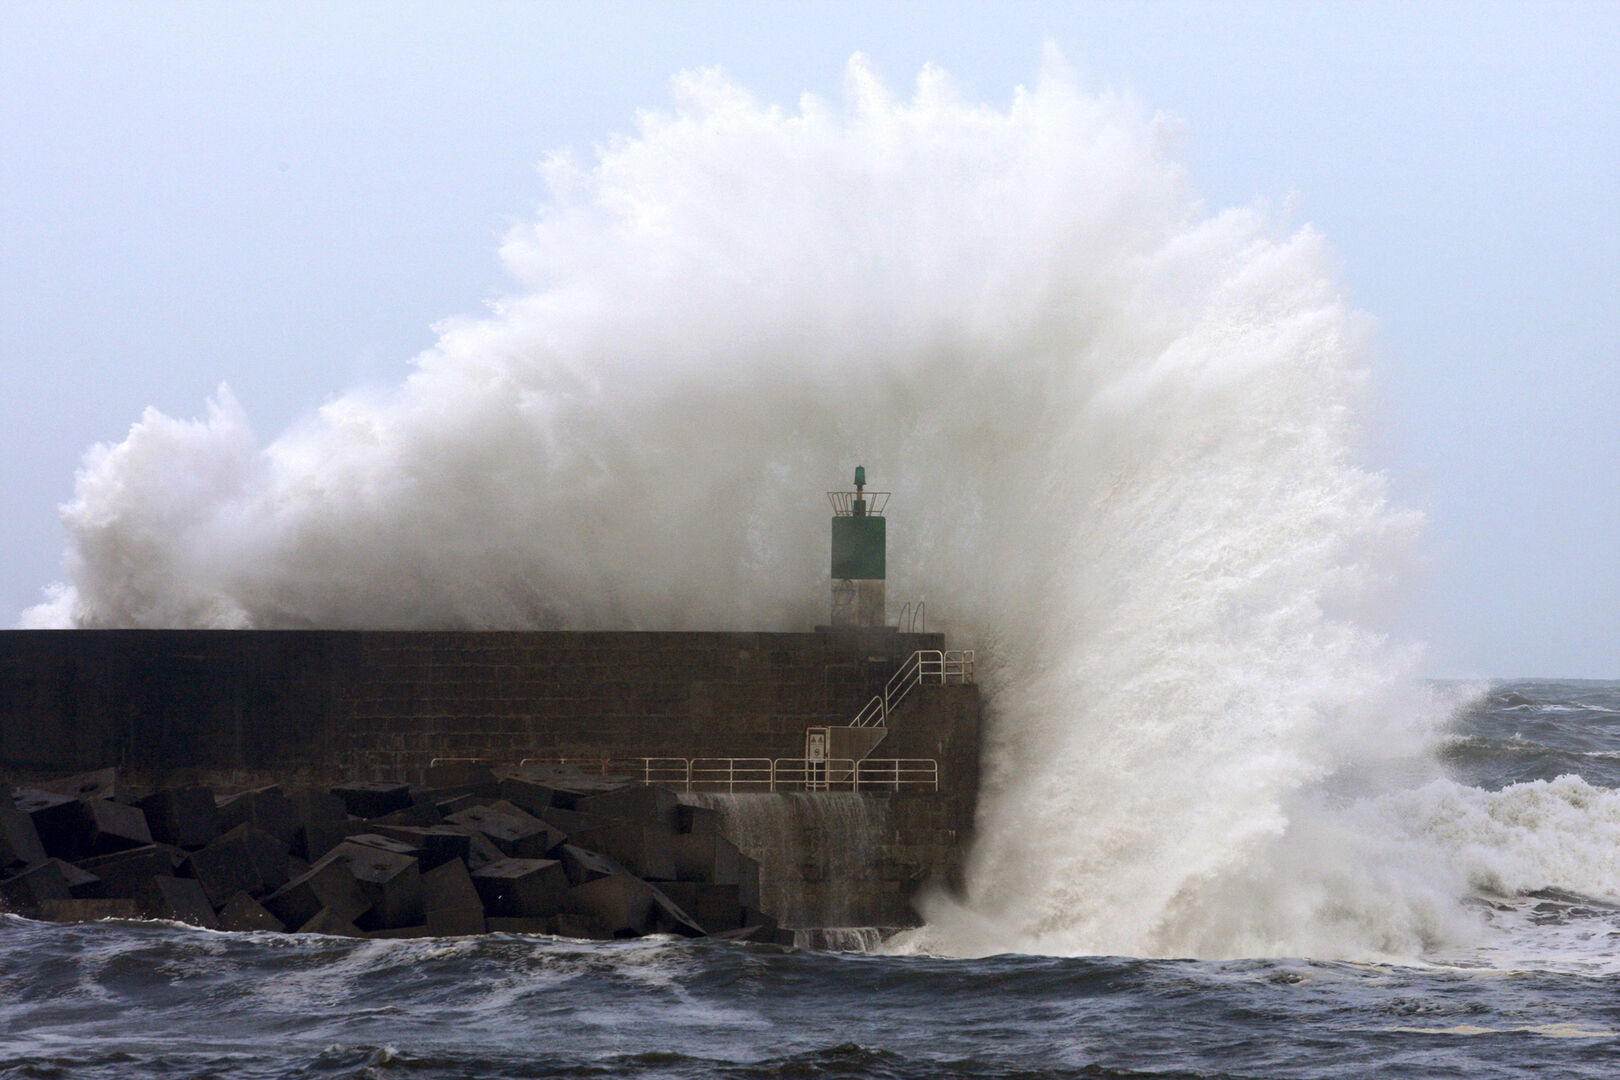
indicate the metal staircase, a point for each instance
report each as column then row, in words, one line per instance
column 936, row 667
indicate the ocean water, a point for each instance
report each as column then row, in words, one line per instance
column 1536, row 992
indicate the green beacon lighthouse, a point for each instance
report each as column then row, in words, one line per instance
column 858, row 555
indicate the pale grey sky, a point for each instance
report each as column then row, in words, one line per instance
column 285, row 196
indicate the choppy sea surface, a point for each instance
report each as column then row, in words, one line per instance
column 121, row 999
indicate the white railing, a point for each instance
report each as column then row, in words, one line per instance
column 594, row 766
column 803, row 774
column 932, row 666
column 897, row 774
column 843, row 502
column 731, row 774
column 763, row 775
column 912, row 618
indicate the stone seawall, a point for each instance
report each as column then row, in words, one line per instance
column 242, row 709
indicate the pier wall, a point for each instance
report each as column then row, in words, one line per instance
column 236, row 709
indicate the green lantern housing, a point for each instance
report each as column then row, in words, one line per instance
column 859, row 555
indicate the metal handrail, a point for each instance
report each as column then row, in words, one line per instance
column 911, row 619
column 895, row 773
column 731, row 774
column 843, row 502
column 765, row 775
column 935, row 666
column 598, row 765
column 672, row 771
column 805, row 774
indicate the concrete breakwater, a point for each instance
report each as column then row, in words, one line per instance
column 236, row 711
column 541, row 849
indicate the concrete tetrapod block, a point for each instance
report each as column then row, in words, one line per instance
column 223, row 868
column 703, row 857
column 386, row 843
column 485, row 791
column 638, row 802
column 623, row 904
column 243, row 860
column 670, row 918
column 752, row 916
column 517, row 834
column 527, row 795
column 330, row 922
column 127, row 873
column 438, row 844
column 451, row 901
column 269, row 856
column 241, row 912
column 185, row 817
column 700, row 857
column 521, row 888
column 453, row 804
column 88, row 910
column 82, row 884
column 57, row 821
column 643, row 849
column 715, row 908
column 180, row 899
column 568, row 785
column 318, row 838
column 712, row 858
column 481, row 851
column 266, row 809
column 272, row 812
column 323, row 823
column 764, row 935
column 697, row 819
column 391, row 881
column 19, row 840
column 230, row 810
column 111, row 826
column 101, row 784
column 367, row 799
column 313, row 804
column 328, row 884
column 26, row 890
column 582, row 865
column 415, row 814
column 572, row 821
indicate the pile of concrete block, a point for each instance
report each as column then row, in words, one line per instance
column 535, row 849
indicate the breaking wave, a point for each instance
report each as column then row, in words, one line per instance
column 1120, row 429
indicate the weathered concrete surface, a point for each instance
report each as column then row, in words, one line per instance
column 236, row 710
column 248, row 708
